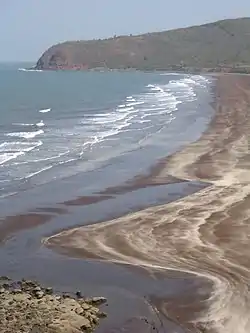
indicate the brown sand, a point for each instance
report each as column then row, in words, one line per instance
column 206, row 233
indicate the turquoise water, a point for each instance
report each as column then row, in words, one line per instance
column 56, row 125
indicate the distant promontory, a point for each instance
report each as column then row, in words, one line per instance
column 219, row 46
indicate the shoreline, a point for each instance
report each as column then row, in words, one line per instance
column 195, row 227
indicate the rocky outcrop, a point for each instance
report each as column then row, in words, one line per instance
column 216, row 45
column 27, row 307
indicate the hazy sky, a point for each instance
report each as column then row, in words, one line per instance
column 29, row 27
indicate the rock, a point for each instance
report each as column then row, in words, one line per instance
column 36, row 329
column 79, row 294
column 30, row 283
column 2, row 290
column 71, row 303
column 96, row 300
column 39, row 294
column 85, row 306
column 5, row 285
column 49, row 290
column 16, row 291
column 85, row 325
column 94, row 310
column 79, row 311
column 5, row 278
column 102, row 314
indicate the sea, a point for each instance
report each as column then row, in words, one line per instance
column 56, row 126
column 66, row 137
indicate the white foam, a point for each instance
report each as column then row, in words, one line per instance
column 46, row 158
column 7, row 195
column 44, row 110
column 5, row 157
column 134, row 103
column 153, row 109
column 29, row 70
column 40, row 124
column 131, row 99
column 109, row 118
column 157, row 88
column 25, row 135
column 178, row 84
column 12, row 150
column 172, row 74
column 141, row 121
column 37, row 172
column 126, row 109
column 22, row 124
column 19, row 146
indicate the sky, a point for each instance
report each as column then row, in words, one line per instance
column 29, row 27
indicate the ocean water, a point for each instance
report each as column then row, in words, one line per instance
column 58, row 126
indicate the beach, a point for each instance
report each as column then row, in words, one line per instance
column 204, row 233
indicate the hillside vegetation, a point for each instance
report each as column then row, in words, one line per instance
column 222, row 45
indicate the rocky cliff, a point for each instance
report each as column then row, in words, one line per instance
column 222, row 44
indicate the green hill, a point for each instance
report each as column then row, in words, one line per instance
column 222, row 45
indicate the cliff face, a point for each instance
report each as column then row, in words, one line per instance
column 220, row 44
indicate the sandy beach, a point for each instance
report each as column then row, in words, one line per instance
column 205, row 233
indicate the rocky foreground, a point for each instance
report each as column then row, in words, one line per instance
column 27, row 307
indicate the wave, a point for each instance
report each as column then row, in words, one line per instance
column 19, row 146
column 131, row 99
column 23, row 124
column 44, row 159
column 12, row 150
column 126, row 109
column 25, row 135
column 172, row 74
column 40, row 124
column 108, row 118
column 37, row 172
column 44, row 110
column 29, row 70
column 134, row 103
column 159, row 100
column 5, row 157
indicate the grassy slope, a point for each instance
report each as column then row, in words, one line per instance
column 208, row 46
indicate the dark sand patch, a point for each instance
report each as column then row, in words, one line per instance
column 13, row 224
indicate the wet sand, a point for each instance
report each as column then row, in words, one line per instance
column 206, row 233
